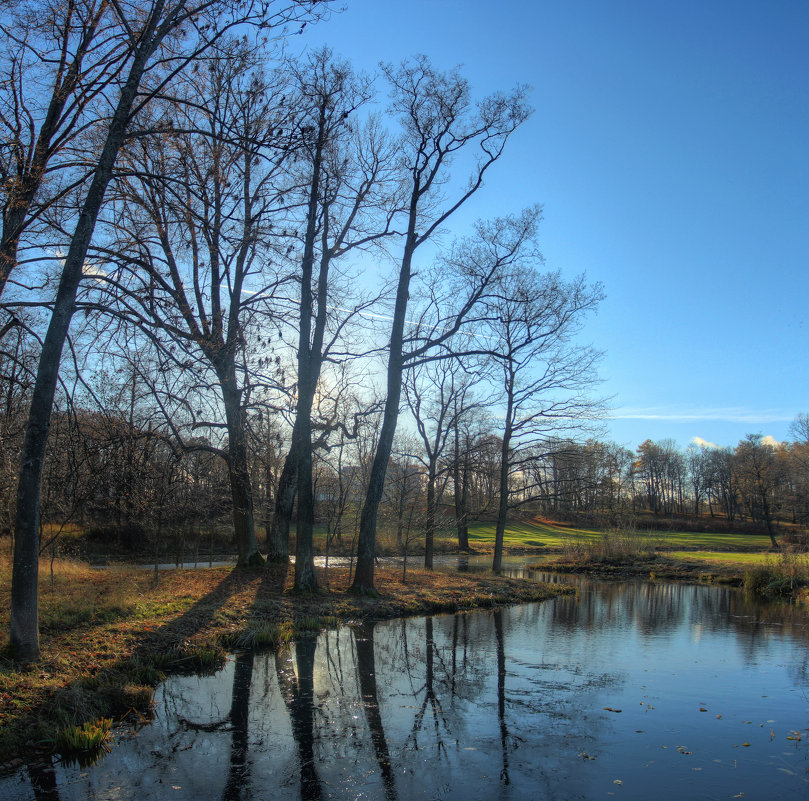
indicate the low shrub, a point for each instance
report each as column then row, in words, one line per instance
column 782, row 577
column 613, row 547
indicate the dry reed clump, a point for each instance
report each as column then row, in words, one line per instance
column 617, row 546
column 781, row 577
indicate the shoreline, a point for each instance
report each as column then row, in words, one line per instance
column 108, row 638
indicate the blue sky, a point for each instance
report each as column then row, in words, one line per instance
column 669, row 150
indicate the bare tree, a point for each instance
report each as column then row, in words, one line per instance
column 440, row 123
column 759, row 473
column 545, row 375
column 194, row 226
column 162, row 38
column 346, row 168
column 432, row 392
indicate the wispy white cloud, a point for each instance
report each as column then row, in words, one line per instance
column 728, row 414
column 703, row 443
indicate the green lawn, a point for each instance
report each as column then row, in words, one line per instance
column 718, row 557
column 556, row 537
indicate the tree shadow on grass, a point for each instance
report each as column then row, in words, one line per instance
column 222, row 600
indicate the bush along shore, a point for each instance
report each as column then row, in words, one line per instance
column 628, row 555
column 110, row 636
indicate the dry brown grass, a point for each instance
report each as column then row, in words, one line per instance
column 107, row 634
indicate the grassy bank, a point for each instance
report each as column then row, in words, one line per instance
column 109, row 636
column 632, row 554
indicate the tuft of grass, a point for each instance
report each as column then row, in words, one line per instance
column 262, row 635
column 307, row 623
column 87, row 742
column 196, row 658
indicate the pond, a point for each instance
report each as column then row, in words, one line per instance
column 627, row 691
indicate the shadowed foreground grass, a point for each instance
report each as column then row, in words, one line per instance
column 109, row 636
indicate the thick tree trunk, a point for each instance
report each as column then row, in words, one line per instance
column 240, row 489
column 460, row 479
column 502, row 506
column 366, row 542
column 278, row 531
column 305, row 578
column 24, row 630
column 429, row 527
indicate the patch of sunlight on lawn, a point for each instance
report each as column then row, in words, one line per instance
column 718, row 556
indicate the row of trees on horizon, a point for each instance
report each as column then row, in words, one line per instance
column 115, row 474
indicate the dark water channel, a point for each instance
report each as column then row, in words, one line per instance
column 629, row 691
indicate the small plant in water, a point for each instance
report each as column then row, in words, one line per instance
column 86, row 743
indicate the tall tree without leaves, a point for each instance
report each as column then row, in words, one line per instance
column 193, row 222
column 545, row 374
column 440, row 123
column 162, row 38
column 345, row 171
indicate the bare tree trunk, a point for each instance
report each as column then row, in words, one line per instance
column 278, row 531
column 366, row 544
column 24, row 592
column 460, row 479
column 305, row 578
column 502, row 506
column 240, row 489
column 429, row 527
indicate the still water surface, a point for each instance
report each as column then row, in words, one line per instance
column 628, row 691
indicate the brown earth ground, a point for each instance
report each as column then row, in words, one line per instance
column 109, row 636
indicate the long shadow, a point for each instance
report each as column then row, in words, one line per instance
column 202, row 611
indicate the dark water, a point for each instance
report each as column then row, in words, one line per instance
column 630, row 691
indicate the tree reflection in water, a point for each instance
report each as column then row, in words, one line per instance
column 237, row 784
column 501, row 691
column 511, row 703
column 298, row 692
column 366, row 673
column 43, row 779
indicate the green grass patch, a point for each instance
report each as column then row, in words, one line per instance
column 722, row 557
column 558, row 537
column 87, row 742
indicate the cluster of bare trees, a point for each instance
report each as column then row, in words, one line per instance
column 759, row 480
column 213, row 253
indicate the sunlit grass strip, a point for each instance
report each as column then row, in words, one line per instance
column 556, row 537
column 721, row 557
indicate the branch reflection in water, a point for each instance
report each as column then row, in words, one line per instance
column 554, row 700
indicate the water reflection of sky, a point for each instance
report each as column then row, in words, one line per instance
column 630, row 691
